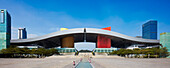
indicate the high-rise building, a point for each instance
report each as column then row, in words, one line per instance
column 5, row 29
column 149, row 30
column 165, row 40
column 22, row 33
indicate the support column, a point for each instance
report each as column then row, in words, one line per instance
column 68, row 42
column 104, row 42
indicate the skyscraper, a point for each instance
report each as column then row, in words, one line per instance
column 5, row 29
column 149, row 30
column 22, row 33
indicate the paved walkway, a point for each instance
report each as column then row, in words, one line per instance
column 84, row 64
column 85, row 60
column 52, row 62
column 97, row 62
column 131, row 62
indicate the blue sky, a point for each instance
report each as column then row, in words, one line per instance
column 41, row 17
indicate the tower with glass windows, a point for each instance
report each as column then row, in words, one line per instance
column 149, row 30
column 22, row 33
column 5, row 29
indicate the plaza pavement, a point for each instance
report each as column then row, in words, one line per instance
column 50, row 62
column 131, row 62
column 97, row 62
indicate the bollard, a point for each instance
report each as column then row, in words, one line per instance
column 89, row 61
column 80, row 59
column 74, row 63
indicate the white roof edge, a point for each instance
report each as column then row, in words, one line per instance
column 88, row 30
column 112, row 33
column 58, row 33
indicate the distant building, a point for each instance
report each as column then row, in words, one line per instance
column 138, row 36
column 5, row 29
column 165, row 40
column 22, row 33
column 61, row 29
column 30, row 47
column 149, row 30
column 141, row 46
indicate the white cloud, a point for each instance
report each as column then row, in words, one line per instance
column 40, row 22
column 32, row 35
column 54, row 29
column 14, row 28
column 14, row 32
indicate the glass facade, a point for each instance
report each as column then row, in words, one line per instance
column 165, row 40
column 22, row 33
column 1, row 17
column 5, row 29
column 66, row 50
column 149, row 30
column 101, row 50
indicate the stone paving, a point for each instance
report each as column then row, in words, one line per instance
column 58, row 62
column 97, row 62
column 84, row 63
column 131, row 62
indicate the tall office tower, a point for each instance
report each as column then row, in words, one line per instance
column 149, row 30
column 22, row 33
column 5, row 29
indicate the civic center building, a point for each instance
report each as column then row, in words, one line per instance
column 104, row 39
column 66, row 40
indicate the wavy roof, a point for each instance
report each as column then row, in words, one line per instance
column 81, row 30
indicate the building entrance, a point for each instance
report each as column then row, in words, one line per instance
column 85, row 46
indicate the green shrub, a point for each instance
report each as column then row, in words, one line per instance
column 25, row 52
column 153, row 52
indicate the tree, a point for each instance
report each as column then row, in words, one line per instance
column 121, row 52
column 136, row 51
column 53, row 51
column 41, row 51
column 128, row 52
column 25, row 52
column 113, row 52
column 164, row 52
column 33, row 51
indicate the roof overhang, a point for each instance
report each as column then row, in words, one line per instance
column 85, row 30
